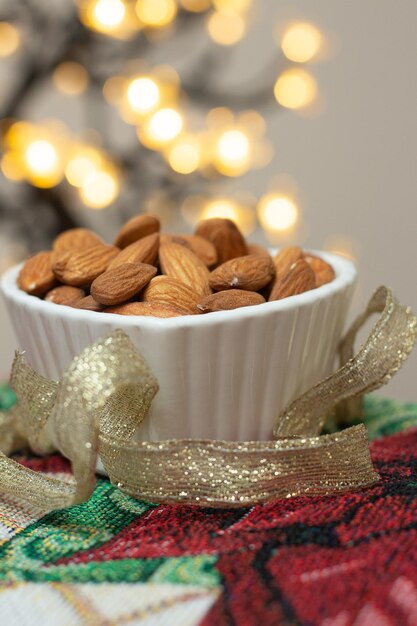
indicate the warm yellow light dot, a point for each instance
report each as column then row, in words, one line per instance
column 143, row 94
column 301, row 42
column 18, row 135
column 100, row 189
column 295, row 89
column 237, row 6
column 221, row 208
column 43, row 164
column 196, row 6
column 81, row 164
column 242, row 215
column 13, row 166
column 156, row 13
column 41, row 157
column 226, row 28
column 9, row 39
column 184, row 155
column 232, row 153
column 233, row 145
column 277, row 213
column 70, row 78
column 109, row 13
column 164, row 126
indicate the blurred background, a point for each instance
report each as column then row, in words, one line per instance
column 296, row 119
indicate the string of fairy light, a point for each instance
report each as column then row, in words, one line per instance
column 152, row 100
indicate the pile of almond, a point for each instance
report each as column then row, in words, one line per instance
column 148, row 273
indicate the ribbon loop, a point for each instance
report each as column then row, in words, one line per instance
column 389, row 343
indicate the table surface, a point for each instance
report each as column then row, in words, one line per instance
column 345, row 560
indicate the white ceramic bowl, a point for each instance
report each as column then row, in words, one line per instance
column 224, row 375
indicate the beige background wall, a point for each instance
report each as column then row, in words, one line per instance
column 355, row 164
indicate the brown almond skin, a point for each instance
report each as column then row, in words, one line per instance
column 65, row 295
column 229, row 300
column 250, row 272
column 148, row 309
column 180, row 263
column 89, row 304
column 299, row 279
column 283, row 261
column 144, row 250
column 121, row 283
column 201, row 247
column 81, row 267
column 225, row 237
column 285, row 258
column 254, row 248
column 36, row 276
column 137, row 228
column 323, row 271
column 172, row 291
column 76, row 238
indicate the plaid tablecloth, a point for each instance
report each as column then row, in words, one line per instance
column 349, row 560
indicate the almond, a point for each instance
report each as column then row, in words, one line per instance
column 228, row 300
column 299, row 279
column 65, row 295
column 249, row 272
column 149, row 309
column 76, row 238
column 36, row 276
column 254, row 248
column 225, row 237
column 323, row 271
column 143, row 251
column 179, row 262
column 173, row 292
column 285, row 258
column 121, row 283
column 81, row 267
column 89, row 304
column 137, row 228
column 201, row 247
column 283, row 261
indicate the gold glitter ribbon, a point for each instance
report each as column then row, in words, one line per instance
column 107, row 391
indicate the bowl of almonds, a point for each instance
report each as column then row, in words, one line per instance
column 233, row 332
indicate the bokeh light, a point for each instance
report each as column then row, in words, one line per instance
column 161, row 128
column 295, row 89
column 156, row 13
column 232, row 153
column 9, row 39
column 301, row 42
column 44, row 167
column 13, row 166
column 184, row 155
column 109, row 13
column 143, row 94
column 226, row 28
column 231, row 209
column 277, row 213
column 115, row 18
column 196, row 6
column 233, row 6
column 100, row 189
column 70, row 78
column 83, row 161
